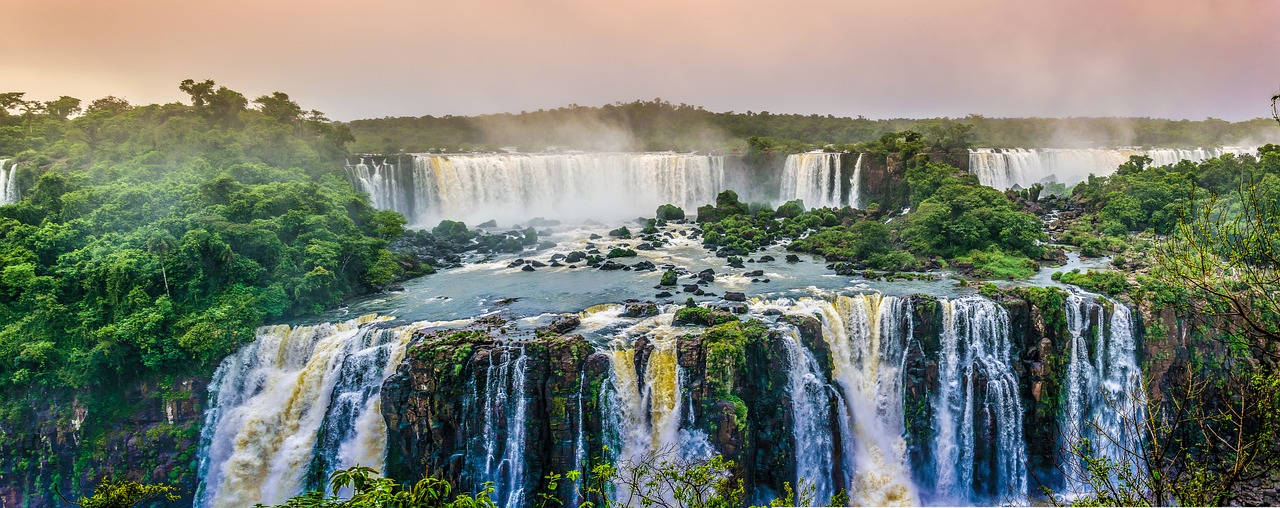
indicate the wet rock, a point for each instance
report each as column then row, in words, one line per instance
column 527, row 268
column 690, row 288
column 645, row 246
column 561, row 325
column 668, row 278
column 488, row 224
column 611, row 265
column 792, row 258
column 708, row 275
column 639, row 310
column 595, row 236
column 753, row 273
column 575, row 257
column 557, row 257
column 735, row 296
column 537, row 264
column 663, row 294
column 644, row 265
column 766, row 258
column 515, row 263
column 556, row 264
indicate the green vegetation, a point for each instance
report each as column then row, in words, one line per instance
column 152, row 240
column 620, row 253
column 369, row 490
column 976, row 228
column 621, row 232
column 661, row 125
column 701, row 316
column 125, row 494
column 1103, row 281
column 670, row 212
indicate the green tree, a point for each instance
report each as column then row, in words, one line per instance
column 125, row 494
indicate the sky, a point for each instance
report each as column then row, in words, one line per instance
column 875, row 58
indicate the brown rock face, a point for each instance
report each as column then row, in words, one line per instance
column 153, row 439
column 459, row 399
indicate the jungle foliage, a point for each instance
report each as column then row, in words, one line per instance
column 154, row 239
column 661, row 125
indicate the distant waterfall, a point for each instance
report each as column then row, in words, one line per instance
column 979, row 450
column 1004, row 168
column 515, row 187
column 381, row 181
column 9, row 184
column 296, row 402
column 818, row 179
column 1105, row 401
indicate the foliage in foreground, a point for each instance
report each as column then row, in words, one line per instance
column 112, row 493
column 662, row 479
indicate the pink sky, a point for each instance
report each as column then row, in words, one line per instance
column 880, row 59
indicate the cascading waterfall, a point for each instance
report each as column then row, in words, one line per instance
column 1005, row 168
column 811, row 414
column 855, row 185
column 9, row 184
column 505, row 427
column 867, row 336
column 1105, row 401
column 295, row 399
column 979, row 450
column 515, row 187
column 380, row 181
column 816, row 178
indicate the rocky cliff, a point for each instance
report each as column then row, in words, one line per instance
column 147, row 432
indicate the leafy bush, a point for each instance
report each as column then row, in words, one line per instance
column 670, row 212
column 1108, row 282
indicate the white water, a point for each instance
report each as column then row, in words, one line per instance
column 512, row 188
column 814, row 445
column 817, row 179
column 380, row 182
column 9, row 184
column 1105, row 400
column 867, row 335
column 1004, row 168
column 975, row 346
column 271, row 401
column 505, row 426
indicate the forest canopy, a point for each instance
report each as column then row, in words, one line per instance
column 156, row 238
column 660, row 125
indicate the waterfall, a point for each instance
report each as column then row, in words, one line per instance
column 1005, row 168
column 867, row 337
column 855, row 192
column 815, row 178
column 9, row 184
column 505, row 427
column 293, row 400
column 515, row 187
column 1105, row 401
column 979, row 450
column 380, row 180
column 811, row 414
